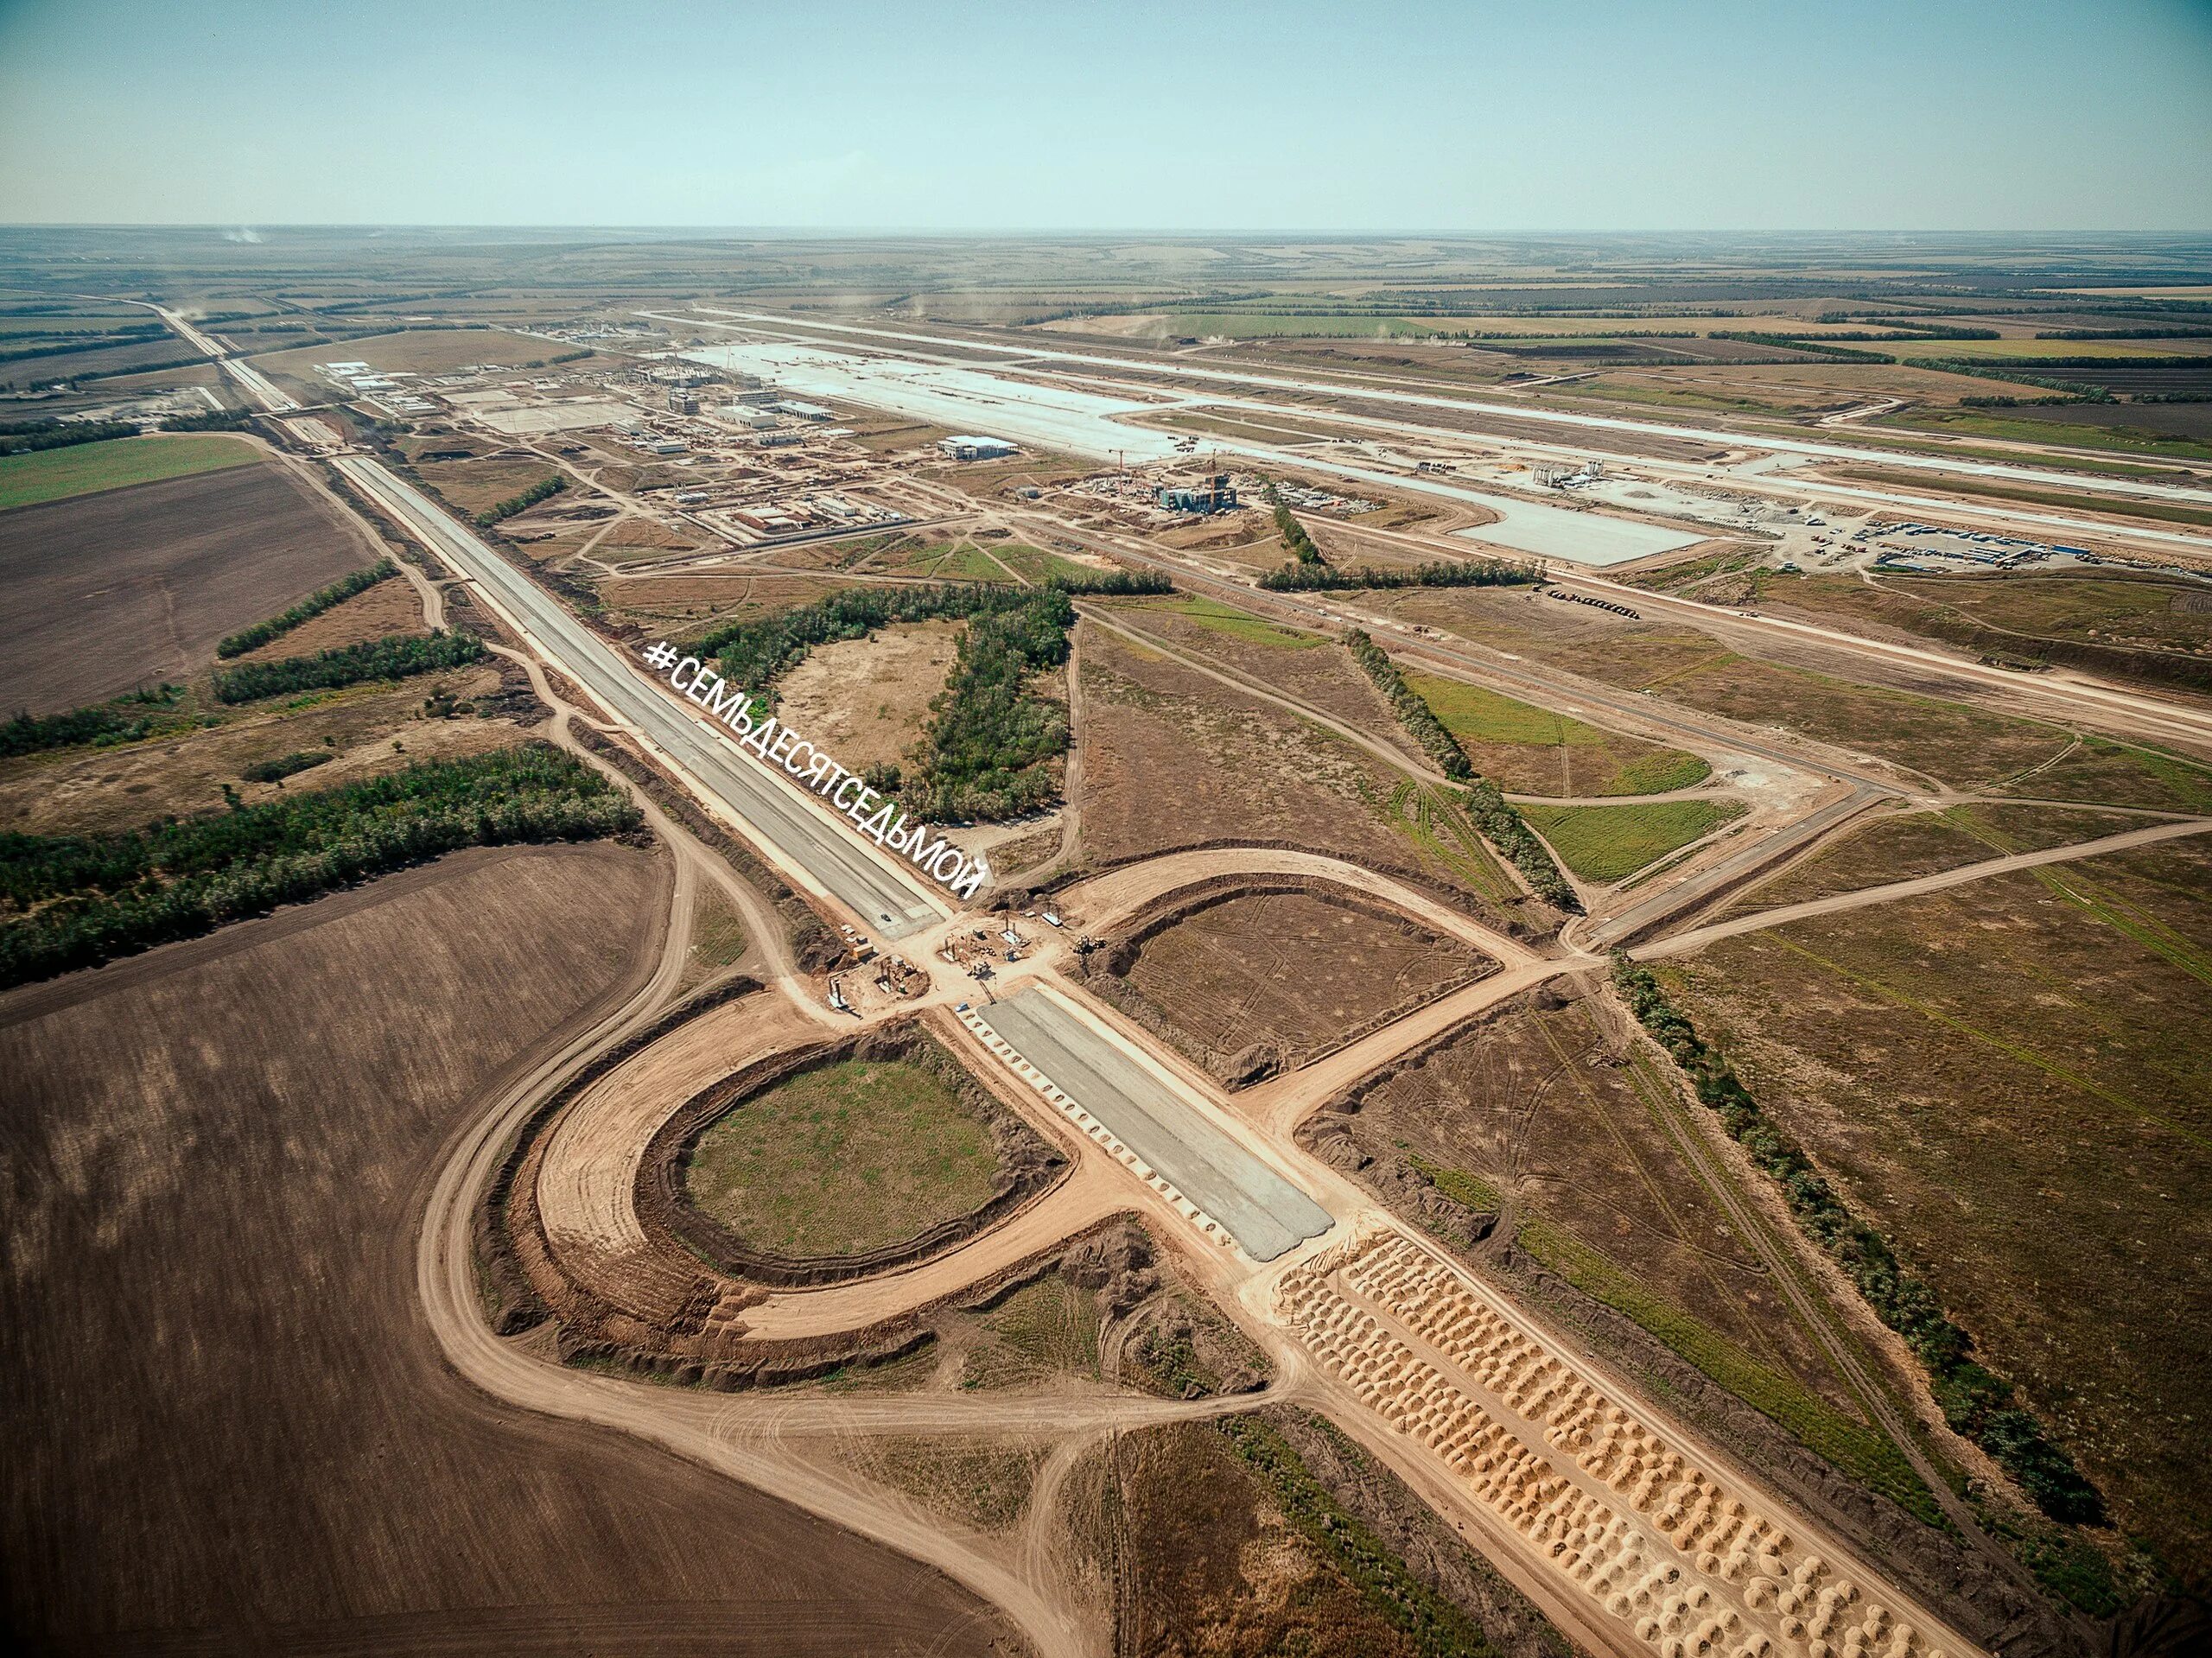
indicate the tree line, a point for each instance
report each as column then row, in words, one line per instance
column 1439, row 573
column 28, row 436
column 322, row 599
column 754, row 654
column 1975, row 1401
column 395, row 657
column 1493, row 814
column 72, row 901
column 125, row 720
column 985, row 753
column 543, row 490
column 1411, row 709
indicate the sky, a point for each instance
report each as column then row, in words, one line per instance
column 1364, row 115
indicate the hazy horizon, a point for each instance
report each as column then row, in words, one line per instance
column 1879, row 118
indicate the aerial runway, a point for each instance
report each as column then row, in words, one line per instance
column 873, row 889
column 1265, row 1213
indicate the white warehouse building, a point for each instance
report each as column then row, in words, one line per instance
column 976, row 448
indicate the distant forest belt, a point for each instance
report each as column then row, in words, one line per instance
column 2116, row 508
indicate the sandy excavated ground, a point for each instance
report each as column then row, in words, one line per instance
column 866, row 700
column 1699, row 1567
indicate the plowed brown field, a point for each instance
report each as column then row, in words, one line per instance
column 135, row 586
column 227, row 1426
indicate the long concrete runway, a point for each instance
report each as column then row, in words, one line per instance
column 1262, row 1210
column 890, row 903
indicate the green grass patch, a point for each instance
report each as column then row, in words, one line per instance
column 957, row 562
column 1864, row 1453
column 1485, row 722
column 1036, row 564
column 1610, row 843
column 88, row 468
column 843, row 1159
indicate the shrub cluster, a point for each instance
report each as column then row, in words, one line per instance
column 1442, row 573
column 1413, row 713
column 287, row 765
column 125, row 720
column 1506, row 829
column 543, row 490
column 314, row 604
column 393, row 657
column 1975, row 1401
column 72, row 901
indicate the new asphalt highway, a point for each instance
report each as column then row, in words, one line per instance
column 828, row 856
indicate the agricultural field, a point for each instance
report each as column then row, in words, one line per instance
column 1286, row 975
column 1531, row 750
column 2009, row 1078
column 150, row 1220
column 479, row 485
column 86, row 468
column 1953, row 742
column 1246, row 771
column 841, row 1160
column 2100, row 426
column 391, row 606
column 131, row 587
column 683, row 605
column 1905, row 847
column 1611, row 844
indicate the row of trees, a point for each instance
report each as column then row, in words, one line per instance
column 1294, row 537
column 543, row 490
column 755, row 654
column 1441, row 573
column 28, row 436
column 1504, row 828
column 1411, row 707
column 72, row 901
column 1493, row 814
column 1976, row 1401
column 395, row 656
column 322, row 599
column 213, row 419
column 127, row 719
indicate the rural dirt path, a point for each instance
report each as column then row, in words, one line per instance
column 1697, row 937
